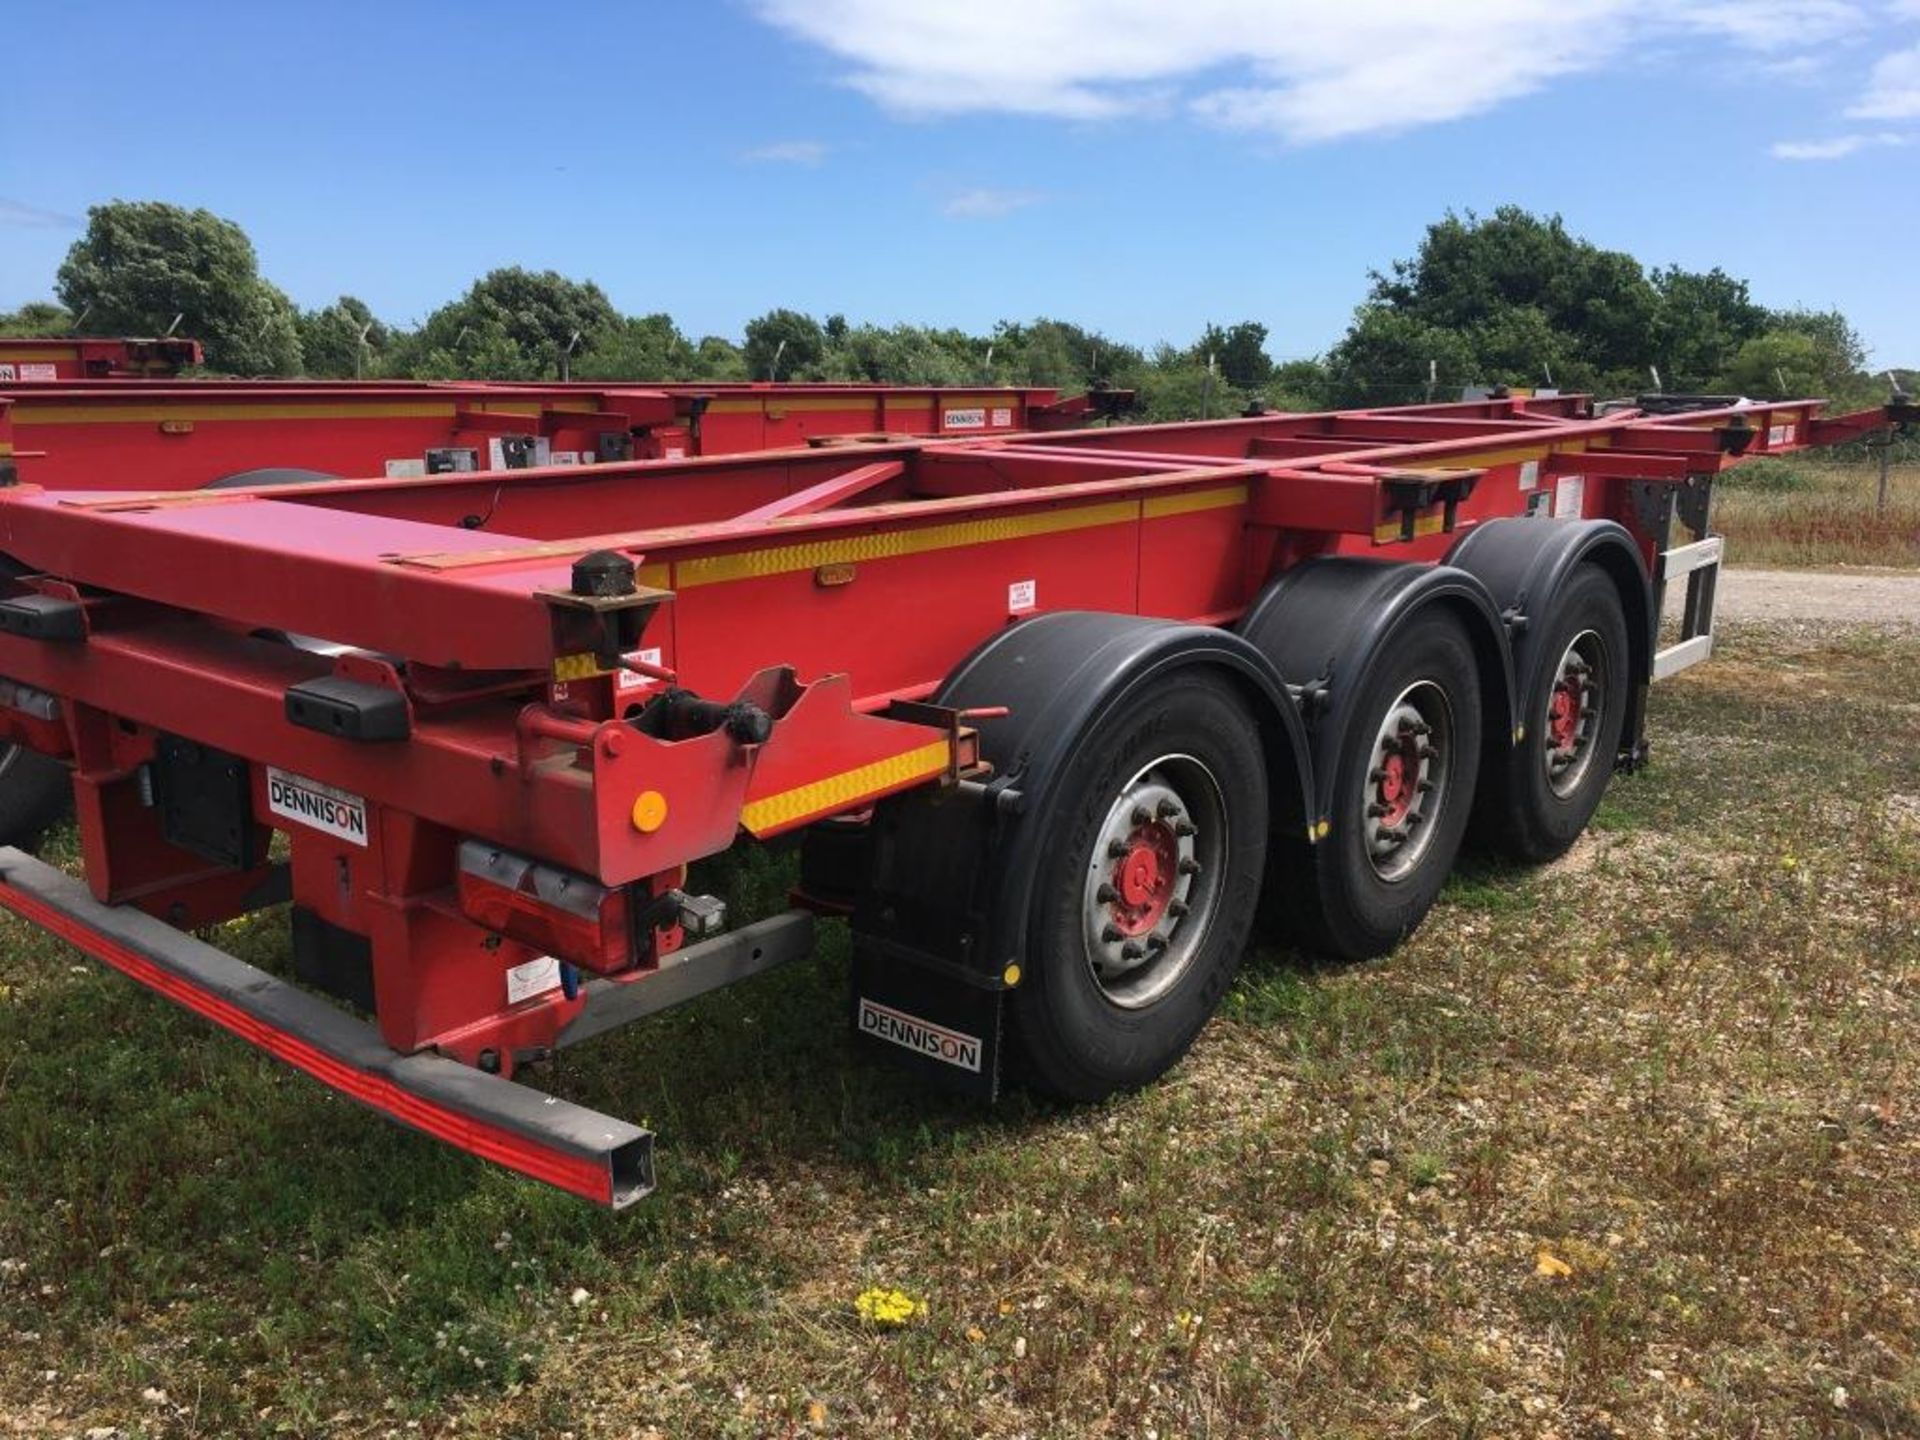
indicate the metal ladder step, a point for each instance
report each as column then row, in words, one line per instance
column 1699, row 561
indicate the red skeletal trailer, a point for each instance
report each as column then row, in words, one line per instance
column 1047, row 712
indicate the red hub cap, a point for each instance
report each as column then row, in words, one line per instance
column 1396, row 787
column 1563, row 715
column 1143, row 878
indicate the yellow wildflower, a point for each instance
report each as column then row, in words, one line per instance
column 879, row 1306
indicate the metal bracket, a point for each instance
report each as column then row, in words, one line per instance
column 1698, row 559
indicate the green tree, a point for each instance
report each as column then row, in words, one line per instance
column 1778, row 365
column 640, row 347
column 1385, row 356
column 513, row 324
column 718, row 358
column 902, row 355
column 1704, row 318
column 782, row 344
column 343, row 340
column 1239, row 353
column 1807, row 354
column 1298, row 385
column 1529, row 298
column 37, row 319
column 1175, row 385
column 142, row 263
column 1063, row 355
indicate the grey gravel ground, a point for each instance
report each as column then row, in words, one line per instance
column 1846, row 597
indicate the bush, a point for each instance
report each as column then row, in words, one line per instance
column 1770, row 477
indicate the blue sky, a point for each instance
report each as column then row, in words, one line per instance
column 1138, row 166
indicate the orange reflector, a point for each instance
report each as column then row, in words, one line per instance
column 649, row 811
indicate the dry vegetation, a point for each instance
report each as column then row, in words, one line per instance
column 1812, row 511
column 1623, row 1147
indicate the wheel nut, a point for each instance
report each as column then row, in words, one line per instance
column 1132, row 951
column 1183, row 828
column 1189, row 866
column 1112, row 934
column 1176, row 908
column 1106, row 894
column 1167, row 809
column 1117, row 850
column 1142, row 816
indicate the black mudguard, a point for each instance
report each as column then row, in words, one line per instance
column 939, row 925
column 1524, row 562
column 1323, row 621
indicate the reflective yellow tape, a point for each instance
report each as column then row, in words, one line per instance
column 575, row 667
column 1160, row 506
column 836, row 792
column 153, row 414
column 1423, row 526
column 891, row 544
column 753, row 405
column 1487, row 459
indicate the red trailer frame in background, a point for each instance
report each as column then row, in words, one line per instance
column 195, row 433
column 89, row 359
column 540, row 696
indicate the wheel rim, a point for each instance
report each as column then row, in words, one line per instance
column 1574, row 705
column 1154, row 880
column 1408, row 780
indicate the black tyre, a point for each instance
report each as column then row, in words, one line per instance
column 1403, row 791
column 35, row 793
column 1154, row 851
column 1540, row 795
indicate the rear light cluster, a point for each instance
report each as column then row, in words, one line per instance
column 556, row 911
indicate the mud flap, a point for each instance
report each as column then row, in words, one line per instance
column 945, row 1029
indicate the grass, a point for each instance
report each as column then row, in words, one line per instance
column 1803, row 511
column 1619, row 1147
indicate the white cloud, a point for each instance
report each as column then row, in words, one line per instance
column 1303, row 70
column 788, row 152
column 1893, row 90
column 987, row 204
column 16, row 215
column 1837, row 148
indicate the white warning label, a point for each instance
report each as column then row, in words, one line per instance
column 536, row 977
column 1570, row 499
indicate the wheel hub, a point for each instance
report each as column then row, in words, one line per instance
column 1573, row 711
column 1395, row 792
column 1154, row 879
column 1144, row 878
column 1406, row 784
column 1563, row 714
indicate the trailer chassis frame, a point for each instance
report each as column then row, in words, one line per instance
column 595, row 707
